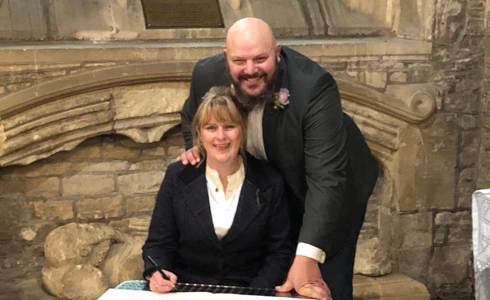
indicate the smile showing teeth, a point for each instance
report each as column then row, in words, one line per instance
column 222, row 146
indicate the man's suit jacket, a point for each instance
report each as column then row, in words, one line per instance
column 328, row 168
column 257, row 249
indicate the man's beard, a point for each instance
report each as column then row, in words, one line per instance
column 247, row 102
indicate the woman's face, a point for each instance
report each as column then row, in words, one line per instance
column 222, row 141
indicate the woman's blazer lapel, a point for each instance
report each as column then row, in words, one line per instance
column 248, row 207
column 197, row 200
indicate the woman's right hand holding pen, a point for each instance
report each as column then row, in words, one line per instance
column 159, row 284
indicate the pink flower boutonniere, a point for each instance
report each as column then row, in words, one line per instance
column 281, row 99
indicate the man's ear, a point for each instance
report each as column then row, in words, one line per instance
column 225, row 53
column 278, row 50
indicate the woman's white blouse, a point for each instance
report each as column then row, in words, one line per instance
column 223, row 204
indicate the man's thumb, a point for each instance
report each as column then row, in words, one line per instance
column 285, row 287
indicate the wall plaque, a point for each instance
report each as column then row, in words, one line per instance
column 182, row 13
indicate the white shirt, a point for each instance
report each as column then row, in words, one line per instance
column 223, row 204
column 255, row 146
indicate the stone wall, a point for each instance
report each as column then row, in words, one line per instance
column 483, row 180
column 107, row 179
column 458, row 63
column 428, row 218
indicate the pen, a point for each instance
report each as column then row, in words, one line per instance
column 154, row 263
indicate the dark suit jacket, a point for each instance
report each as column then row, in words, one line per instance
column 257, row 249
column 328, row 168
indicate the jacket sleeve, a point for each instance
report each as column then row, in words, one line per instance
column 326, row 163
column 161, row 243
column 278, row 242
column 189, row 110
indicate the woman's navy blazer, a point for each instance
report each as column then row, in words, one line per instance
column 257, row 249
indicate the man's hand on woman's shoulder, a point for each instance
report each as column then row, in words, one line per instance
column 190, row 156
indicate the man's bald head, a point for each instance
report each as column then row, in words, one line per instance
column 251, row 56
column 250, row 30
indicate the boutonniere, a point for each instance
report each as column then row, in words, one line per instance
column 281, row 98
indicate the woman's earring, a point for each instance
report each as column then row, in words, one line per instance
column 278, row 59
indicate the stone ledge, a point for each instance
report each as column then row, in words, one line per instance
column 72, row 53
column 389, row 287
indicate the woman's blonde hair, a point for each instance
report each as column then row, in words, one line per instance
column 217, row 103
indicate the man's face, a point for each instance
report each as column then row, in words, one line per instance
column 252, row 66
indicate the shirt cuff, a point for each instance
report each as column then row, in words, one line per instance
column 311, row 251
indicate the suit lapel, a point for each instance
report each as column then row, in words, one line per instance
column 198, row 204
column 248, row 208
column 272, row 117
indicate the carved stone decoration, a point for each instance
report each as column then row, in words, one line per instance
column 58, row 115
column 84, row 260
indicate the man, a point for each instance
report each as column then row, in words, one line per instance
column 295, row 121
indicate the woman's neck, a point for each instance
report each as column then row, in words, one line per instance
column 225, row 170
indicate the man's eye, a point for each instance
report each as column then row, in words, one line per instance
column 261, row 59
column 239, row 61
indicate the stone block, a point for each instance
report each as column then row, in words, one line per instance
column 464, row 195
column 87, row 151
column 484, row 161
column 113, row 150
column 390, row 287
column 88, row 185
column 25, row 20
column 13, row 214
column 470, row 144
column 420, row 72
column 460, row 234
column 54, row 210
column 149, row 165
column 372, row 258
column 30, row 187
column 158, row 150
column 173, row 151
column 414, row 19
column 48, row 168
column 468, row 122
column 449, row 265
column 414, row 262
column 398, row 77
column 458, row 226
column 453, row 219
column 415, row 230
column 46, row 186
column 149, row 99
column 441, row 148
column 100, row 208
column 144, row 182
column 73, row 16
column 102, row 167
column 465, row 101
column 376, row 79
column 140, row 204
column 440, row 235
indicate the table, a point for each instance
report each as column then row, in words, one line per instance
column 123, row 294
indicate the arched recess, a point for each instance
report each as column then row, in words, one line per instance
column 143, row 101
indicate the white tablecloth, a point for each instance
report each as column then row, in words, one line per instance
column 481, row 243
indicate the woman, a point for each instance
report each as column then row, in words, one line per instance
column 224, row 221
